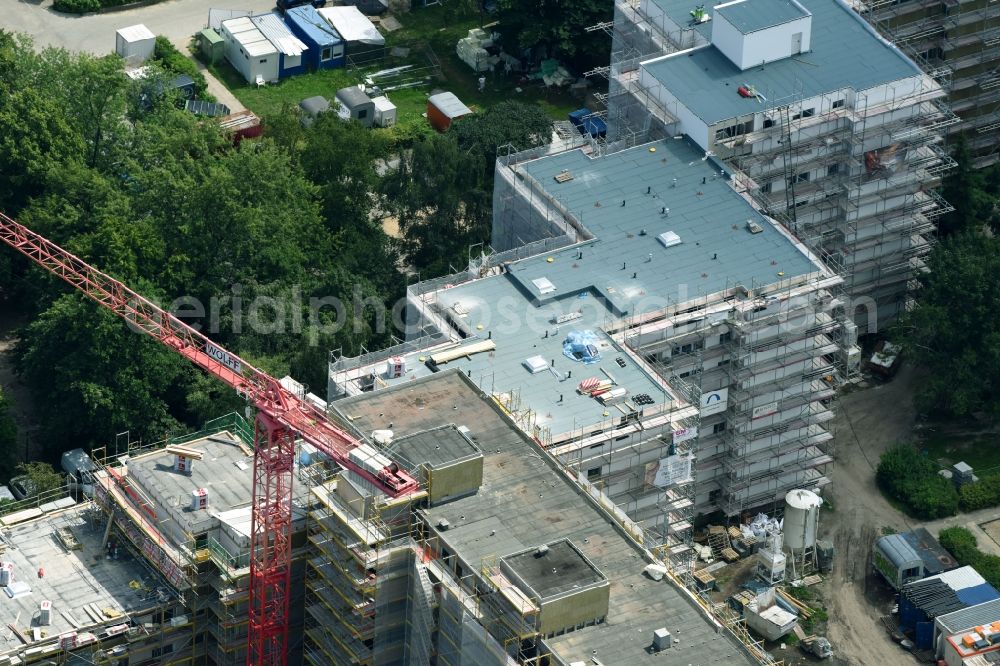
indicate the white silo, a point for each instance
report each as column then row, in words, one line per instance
column 801, row 519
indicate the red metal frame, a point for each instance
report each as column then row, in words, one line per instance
column 281, row 416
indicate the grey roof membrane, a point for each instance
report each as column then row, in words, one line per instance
column 525, row 502
column 436, row 447
column 716, row 250
column 589, row 280
column 229, row 485
column 845, row 52
column 751, row 15
column 72, row 578
column 556, row 569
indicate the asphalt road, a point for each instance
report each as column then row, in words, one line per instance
column 95, row 33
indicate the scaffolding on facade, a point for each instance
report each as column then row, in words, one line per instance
column 957, row 44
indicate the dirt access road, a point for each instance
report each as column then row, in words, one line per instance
column 868, row 421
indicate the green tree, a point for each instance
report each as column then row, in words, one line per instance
column 558, row 27
column 44, row 478
column 954, row 331
column 96, row 96
column 965, row 188
column 442, row 203
column 8, row 438
column 95, row 377
column 511, row 123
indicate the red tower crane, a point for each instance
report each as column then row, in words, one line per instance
column 281, row 416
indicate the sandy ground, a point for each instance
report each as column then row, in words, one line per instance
column 868, row 421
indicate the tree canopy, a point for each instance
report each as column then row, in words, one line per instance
column 558, row 28
column 975, row 194
column 8, row 438
column 275, row 248
column 954, row 331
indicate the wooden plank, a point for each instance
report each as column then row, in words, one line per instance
column 71, row 619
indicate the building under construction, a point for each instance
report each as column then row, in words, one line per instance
column 957, row 43
column 505, row 561
column 673, row 348
column 831, row 129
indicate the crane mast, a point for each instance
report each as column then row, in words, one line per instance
column 281, row 417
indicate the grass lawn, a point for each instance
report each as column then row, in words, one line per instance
column 437, row 27
column 979, row 451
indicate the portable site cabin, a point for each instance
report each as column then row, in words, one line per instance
column 362, row 40
column 135, row 44
column 385, row 111
column 910, row 556
column 312, row 108
column 212, row 45
column 326, row 48
column 922, row 601
column 356, row 105
column 291, row 49
column 445, row 108
column 249, row 51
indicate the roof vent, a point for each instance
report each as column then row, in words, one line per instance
column 535, row 364
column 541, row 550
column 443, row 525
column 669, row 239
column 544, row 285
column 199, row 499
column 563, row 176
column 662, row 639
column 754, row 227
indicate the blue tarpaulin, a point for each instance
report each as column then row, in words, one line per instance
column 581, row 346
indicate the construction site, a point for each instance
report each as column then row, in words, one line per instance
column 958, row 45
column 680, row 320
column 832, row 130
column 603, row 441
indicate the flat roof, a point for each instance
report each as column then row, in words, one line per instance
column 587, row 288
column 934, row 556
column 278, row 33
column 226, row 471
column 716, row 251
column 845, row 53
column 436, row 447
column 752, row 15
column 557, row 568
column 525, row 501
column 74, row 577
column 136, row 33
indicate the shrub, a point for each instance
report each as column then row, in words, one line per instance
column 912, row 479
column 982, row 494
column 76, row 6
column 175, row 62
column 961, row 543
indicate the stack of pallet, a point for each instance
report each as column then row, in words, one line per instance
column 594, row 386
column 718, row 539
column 704, row 579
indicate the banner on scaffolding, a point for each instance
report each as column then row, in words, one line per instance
column 668, row 471
column 685, row 434
column 714, row 402
column 884, row 162
column 764, row 410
